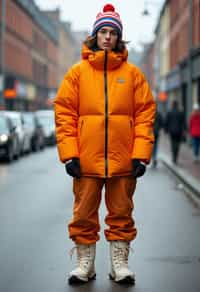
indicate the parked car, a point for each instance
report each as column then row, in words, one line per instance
column 32, row 124
column 46, row 119
column 22, row 132
column 9, row 142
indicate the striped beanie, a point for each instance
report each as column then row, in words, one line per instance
column 108, row 18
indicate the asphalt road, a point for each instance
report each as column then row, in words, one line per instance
column 36, row 204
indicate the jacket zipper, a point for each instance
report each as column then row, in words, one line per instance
column 106, row 115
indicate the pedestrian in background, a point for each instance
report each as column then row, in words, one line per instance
column 158, row 125
column 175, row 127
column 194, row 130
column 104, row 113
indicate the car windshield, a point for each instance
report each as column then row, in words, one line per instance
column 28, row 119
column 3, row 125
column 16, row 121
column 46, row 121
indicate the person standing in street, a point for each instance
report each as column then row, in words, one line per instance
column 158, row 125
column 104, row 113
column 175, row 127
column 194, row 129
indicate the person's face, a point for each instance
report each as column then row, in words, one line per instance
column 107, row 38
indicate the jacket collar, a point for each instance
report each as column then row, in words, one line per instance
column 96, row 58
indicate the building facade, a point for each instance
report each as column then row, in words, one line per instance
column 147, row 66
column 177, row 50
column 30, row 56
column 185, row 52
column 67, row 43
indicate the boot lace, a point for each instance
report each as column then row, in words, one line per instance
column 83, row 255
column 120, row 256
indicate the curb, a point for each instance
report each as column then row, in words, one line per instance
column 192, row 185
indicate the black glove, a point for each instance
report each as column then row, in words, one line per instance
column 73, row 167
column 138, row 168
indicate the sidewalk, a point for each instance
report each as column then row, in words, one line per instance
column 186, row 170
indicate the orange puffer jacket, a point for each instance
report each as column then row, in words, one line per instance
column 104, row 113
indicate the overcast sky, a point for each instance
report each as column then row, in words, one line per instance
column 82, row 13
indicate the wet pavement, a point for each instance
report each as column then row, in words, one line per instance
column 185, row 159
column 36, row 205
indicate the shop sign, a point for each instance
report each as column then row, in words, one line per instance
column 21, row 89
column 10, row 87
column 173, row 80
column 162, row 96
column 51, row 96
column 163, row 84
column 10, row 93
column 31, row 92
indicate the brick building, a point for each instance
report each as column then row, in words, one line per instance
column 67, row 43
column 184, row 75
column 177, row 47
column 30, row 66
column 147, row 65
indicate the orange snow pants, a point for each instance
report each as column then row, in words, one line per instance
column 84, row 227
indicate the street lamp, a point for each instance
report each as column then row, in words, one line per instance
column 146, row 12
column 156, row 58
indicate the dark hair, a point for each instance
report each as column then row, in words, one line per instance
column 91, row 43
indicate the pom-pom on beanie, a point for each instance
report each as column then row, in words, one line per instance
column 108, row 18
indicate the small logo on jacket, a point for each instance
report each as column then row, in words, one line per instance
column 120, row 80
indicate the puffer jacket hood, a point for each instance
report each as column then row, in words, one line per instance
column 104, row 113
column 97, row 58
